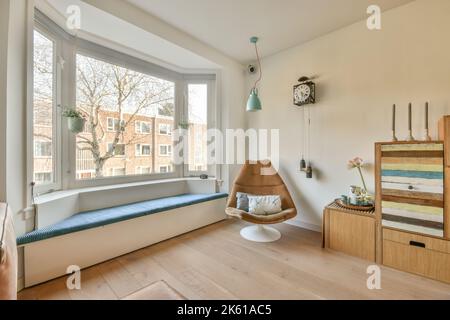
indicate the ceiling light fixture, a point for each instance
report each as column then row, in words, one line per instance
column 253, row 103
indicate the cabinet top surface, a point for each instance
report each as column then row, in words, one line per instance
column 409, row 142
column 337, row 207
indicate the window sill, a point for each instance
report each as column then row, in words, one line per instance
column 54, row 207
column 49, row 197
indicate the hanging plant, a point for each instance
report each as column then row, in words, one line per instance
column 75, row 120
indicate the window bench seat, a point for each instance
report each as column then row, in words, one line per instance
column 103, row 217
column 91, row 237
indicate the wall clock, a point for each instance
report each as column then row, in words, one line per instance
column 305, row 92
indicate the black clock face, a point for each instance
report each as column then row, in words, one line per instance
column 304, row 94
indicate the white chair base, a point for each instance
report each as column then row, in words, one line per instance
column 260, row 233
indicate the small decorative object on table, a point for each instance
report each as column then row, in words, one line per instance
column 358, row 198
column 427, row 129
column 410, row 136
column 394, row 137
column 75, row 120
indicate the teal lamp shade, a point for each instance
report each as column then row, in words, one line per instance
column 253, row 103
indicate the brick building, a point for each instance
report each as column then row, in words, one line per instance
column 145, row 147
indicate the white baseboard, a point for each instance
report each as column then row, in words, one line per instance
column 304, row 225
column 20, row 284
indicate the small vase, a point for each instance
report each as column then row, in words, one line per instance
column 76, row 125
column 354, row 194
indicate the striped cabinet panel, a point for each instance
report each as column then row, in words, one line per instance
column 412, row 187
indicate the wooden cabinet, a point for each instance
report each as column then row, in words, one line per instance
column 425, row 256
column 412, row 206
column 444, row 135
column 349, row 231
column 410, row 186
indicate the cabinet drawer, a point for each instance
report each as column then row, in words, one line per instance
column 425, row 256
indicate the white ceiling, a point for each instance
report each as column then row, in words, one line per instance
column 227, row 25
column 110, row 31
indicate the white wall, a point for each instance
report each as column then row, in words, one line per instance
column 360, row 74
column 13, row 82
column 12, row 107
column 4, row 21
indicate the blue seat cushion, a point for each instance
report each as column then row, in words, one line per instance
column 101, row 217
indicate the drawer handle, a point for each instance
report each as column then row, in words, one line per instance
column 417, row 244
column 410, row 188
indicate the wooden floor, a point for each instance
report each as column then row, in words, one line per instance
column 216, row 263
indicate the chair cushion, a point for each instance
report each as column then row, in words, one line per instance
column 242, row 201
column 264, row 205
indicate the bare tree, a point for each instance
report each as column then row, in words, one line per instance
column 167, row 110
column 106, row 87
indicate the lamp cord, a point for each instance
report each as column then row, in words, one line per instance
column 259, row 66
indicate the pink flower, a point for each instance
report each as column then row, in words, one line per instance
column 356, row 163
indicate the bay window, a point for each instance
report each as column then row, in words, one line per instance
column 131, row 108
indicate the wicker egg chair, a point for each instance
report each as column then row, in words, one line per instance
column 261, row 179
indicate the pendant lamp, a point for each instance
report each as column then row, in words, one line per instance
column 254, row 103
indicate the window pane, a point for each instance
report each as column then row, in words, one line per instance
column 122, row 107
column 42, row 149
column 143, row 170
column 43, row 104
column 198, row 117
column 146, row 150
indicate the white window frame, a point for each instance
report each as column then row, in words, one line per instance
column 140, row 153
column 168, row 154
column 138, row 127
column 167, row 166
column 113, row 169
column 65, row 154
column 138, row 170
column 211, row 118
column 116, row 122
column 109, row 145
column 56, row 184
column 169, row 129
